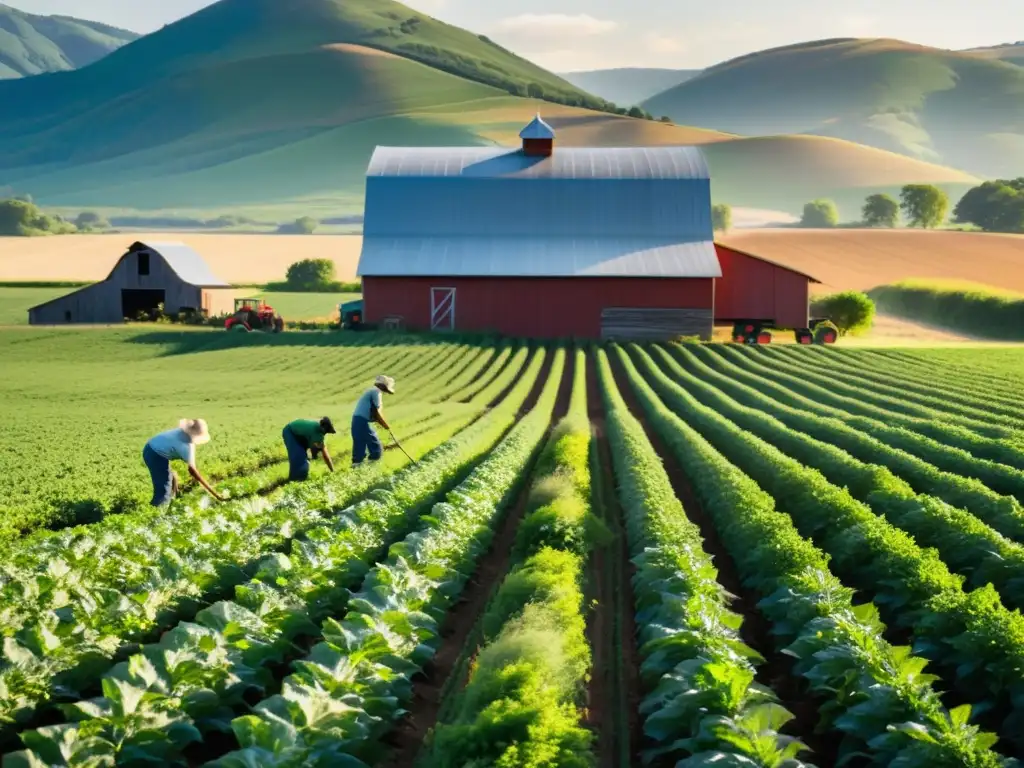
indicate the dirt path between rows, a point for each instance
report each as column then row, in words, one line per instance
column 776, row 672
column 614, row 693
column 430, row 689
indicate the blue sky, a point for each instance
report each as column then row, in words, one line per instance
column 590, row 34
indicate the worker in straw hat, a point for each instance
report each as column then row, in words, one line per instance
column 173, row 444
column 304, row 435
column 369, row 409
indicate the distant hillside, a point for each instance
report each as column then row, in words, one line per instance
column 628, row 85
column 1011, row 52
column 960, row 109
column 250, row 106
column 33, row 45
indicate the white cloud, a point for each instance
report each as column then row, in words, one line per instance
column 539, row 31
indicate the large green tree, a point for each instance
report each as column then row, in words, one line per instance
column 880, row 211
column 994, row 206
column 311, row 275
column 924, row 205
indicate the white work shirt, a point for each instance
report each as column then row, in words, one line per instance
column 372, row 396
column 174, row 444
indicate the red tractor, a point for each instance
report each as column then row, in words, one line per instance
column 254, row 315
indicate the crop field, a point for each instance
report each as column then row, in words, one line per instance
column 237, row 259
column 600, row 555
column 858, row 259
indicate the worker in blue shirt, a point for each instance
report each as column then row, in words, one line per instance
column 369, row 409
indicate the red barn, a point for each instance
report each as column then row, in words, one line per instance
column 540, row 241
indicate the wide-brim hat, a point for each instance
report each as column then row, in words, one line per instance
column 387, row 383
column 195, row 429
column 328, row 426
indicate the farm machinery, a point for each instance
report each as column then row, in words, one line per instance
column 351, row 315
column 254, row 314
column 820, row 331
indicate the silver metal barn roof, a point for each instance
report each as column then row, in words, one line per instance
column 186, row 263
column 581, row 212
column 675, row 163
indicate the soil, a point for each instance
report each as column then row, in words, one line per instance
column 430, row 689
column 614, row 694
column 776, row 672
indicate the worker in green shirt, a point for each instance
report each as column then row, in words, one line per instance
column 302, row 436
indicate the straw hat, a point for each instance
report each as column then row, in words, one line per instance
column 195, row 429
column 386, row 382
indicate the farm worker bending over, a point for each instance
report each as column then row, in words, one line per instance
column 180, row 444
column 368, row 410
column 304, row 435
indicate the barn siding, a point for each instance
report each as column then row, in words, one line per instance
column 532, row 307
column 753, row 289
column 101, row 303
column 177, row 293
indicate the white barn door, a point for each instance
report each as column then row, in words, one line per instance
column 442, row 309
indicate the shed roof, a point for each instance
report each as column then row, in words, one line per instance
column 565, row 163
column 537, row 257
column 773, row 262
column 186, row 263
column 537, row 129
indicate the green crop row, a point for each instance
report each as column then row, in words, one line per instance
column 970, row 546
column 872, row 693
column 345, row 696
column 230, row 646
column 701, row 698
column 521, row 704
column 78, row 499
column 970, row 633
column 1003, row 513
column 1001, row 449
column 888, row 398
column 948, row 387
column 1000, row 478
column 891, row 383
column 120, row 580
column 243, row 480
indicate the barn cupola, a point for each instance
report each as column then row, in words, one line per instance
column 538, row 138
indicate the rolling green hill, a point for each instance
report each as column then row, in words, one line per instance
column 628, row 85
column 959, row 109
column 250, row 107
column 32, row 45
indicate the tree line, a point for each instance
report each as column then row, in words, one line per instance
column 992, row 206
column 21, row 217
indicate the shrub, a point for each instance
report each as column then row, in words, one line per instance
column 310, row 275
column 304, row 225
column 21, row 218
column 89, row 220
column 721, row 217
column 851, row 312
column 976, row 311
column 820, row 214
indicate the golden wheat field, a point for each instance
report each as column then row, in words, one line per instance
column 234, row 258
column 864, row 258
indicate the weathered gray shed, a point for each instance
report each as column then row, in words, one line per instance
column 147, row 275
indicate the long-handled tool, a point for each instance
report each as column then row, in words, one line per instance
column 401, row 448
